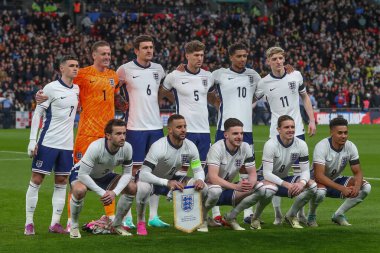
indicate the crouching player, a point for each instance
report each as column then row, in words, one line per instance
column 331, row 156
column 279, row 155
column 166, row 159
column 224, row 161
column 95, row 172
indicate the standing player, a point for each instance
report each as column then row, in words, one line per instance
column 165, row 158
column 224, row 161
column 190, row 89
column 95, row 172
column 279, row 155
column 55, row 143
column 331, row 155
column 236, row 87
column 143, row 78
column 282, row 91
column 98, row 85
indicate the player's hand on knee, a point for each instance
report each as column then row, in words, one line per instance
column 354, row 191
column 297, row 188
column 199, row 185
column 174, row 184
column 346, row 191
column 32, row 148
column 244, row 186
column 40, row 97
column 108, row 197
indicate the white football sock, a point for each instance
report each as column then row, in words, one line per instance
column 351, row 202
column 302, row 200
column 31, row 201
column 58, row 201
column 142, row 195
column 123, row 205
column 248, row 201
column 215, row 211
column 76, row 208
column 316, row 200
column 276, row 202
column 153, row 205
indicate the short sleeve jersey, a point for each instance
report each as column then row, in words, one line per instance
column 335, row 160
column 282, row 95
column 143, row 84
column 190, row 92
column 236, row 92
column 230, row 163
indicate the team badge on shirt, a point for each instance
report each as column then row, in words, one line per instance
column 294, row 156
column 79, row 155
column 238, row 163
column 112, row 82
column 292, row 86
column 204, row 82
column 184, row 158
column 250, row 79
column 187, row 202
column 155, row 76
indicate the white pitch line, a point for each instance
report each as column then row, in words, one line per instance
column 372, row 178
column 13, row 152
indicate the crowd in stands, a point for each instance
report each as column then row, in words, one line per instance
column 335, row 43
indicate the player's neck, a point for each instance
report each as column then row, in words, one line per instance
column 237, row 69
column 285, row 141
column 112, row 148
column 192, row 69
column 143, row 63
column 175, row 142
column 231, row 148
column 67, row 81
column 278, row 73
column 99, row 68
column 336, row 145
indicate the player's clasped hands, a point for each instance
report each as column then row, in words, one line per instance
column 199, row 185
column 244, row 186
column 174, row 184
column 296, row 189
column 107, row 198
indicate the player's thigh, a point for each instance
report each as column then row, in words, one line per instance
column 131, row 188
column 81, row 144
column 63, row 163
column 283, row 191
column 153, row 136
column 227, row 198
column 239, row 196
column 203, row 143
column 44, row 161
column 334, row 193
column 139, row 141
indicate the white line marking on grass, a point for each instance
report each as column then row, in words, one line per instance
column 16, row 159
column 13, row 152
column 372, row 178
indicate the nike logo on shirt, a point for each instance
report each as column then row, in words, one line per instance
column 185, row 82
column 135, row 76
column 272, row 89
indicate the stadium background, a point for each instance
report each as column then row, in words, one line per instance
column 335, row 44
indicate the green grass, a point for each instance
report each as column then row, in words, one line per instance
column 362, row 236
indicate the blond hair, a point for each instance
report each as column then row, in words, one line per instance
column 274, row 50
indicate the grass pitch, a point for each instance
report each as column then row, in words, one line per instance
column 363, row 236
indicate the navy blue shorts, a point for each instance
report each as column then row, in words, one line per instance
column 334, row 193
column 141, row 142
column 49, row 158
column 203, row 143
column 104, row 182
column 226, row 198
column 283, row 191
column 247, row 137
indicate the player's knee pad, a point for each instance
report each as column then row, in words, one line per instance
column 214, row 191
column 320, row 195
column 269, row 191
column 365, row 189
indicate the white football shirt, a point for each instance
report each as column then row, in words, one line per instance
column 143, row 84
column 164, row 159
column 190, row 92
column 281, row 158
column 335, row 160
column 236, row 92
column 282, row 95
column 60, row 109
column 230, row 163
